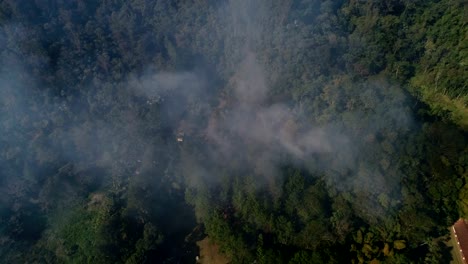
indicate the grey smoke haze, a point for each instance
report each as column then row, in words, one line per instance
column 156, row 84
column 271, row 129
column 260, row 133
column 38, row 125
column 243, row 130
column 268, row 130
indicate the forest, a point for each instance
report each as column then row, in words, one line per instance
column 284, row 131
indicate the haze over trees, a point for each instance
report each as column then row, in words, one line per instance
column 298, row 131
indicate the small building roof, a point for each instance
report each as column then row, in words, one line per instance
column 460, row 229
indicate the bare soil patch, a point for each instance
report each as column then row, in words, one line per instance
column 209, row 253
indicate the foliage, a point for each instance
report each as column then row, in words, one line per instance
column 90, row 171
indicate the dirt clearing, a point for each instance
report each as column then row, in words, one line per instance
column 209, row 253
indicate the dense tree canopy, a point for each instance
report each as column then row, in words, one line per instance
column 298, row 131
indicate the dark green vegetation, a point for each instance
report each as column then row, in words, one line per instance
column 313, row 131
